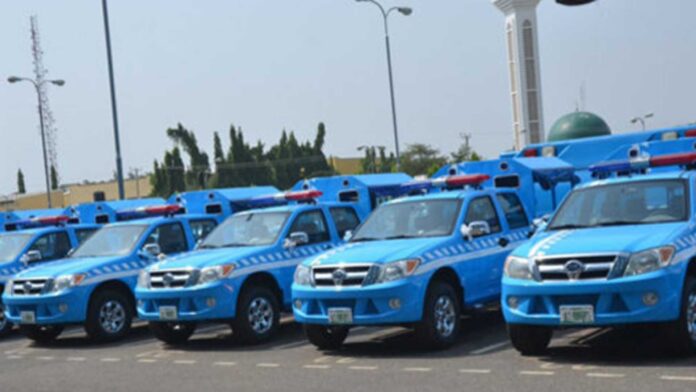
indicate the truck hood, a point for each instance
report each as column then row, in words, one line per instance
column 210, row 257
column 378, row 251
column 70, row 266
column 611, row 239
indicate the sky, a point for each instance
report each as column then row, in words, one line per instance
column 269, row 65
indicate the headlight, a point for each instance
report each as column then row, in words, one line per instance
column 397, row 270
column 8, row 288
column 517, row 268
column 144, row 279
column 212, row 274
column 303, row 275
column 649, row 260
column 65, row 282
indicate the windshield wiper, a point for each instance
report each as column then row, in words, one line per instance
column 568, row 226
column 365, row 239
column 206, row 246
column 233, row 245
column 400, row 236
column 617, row 223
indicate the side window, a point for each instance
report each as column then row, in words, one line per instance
column 201, row 228
column 482, row 209
column 345, row 219
column 83, row 234
column 52, row 246
column 514, row 212
column 170, row 237
column 312, row 223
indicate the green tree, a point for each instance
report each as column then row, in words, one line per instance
column 199, row 167
column 21, row 188
column 421, row 159
column 54, row 178
column 465, row 152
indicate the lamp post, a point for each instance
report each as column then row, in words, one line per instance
column 37, row 86
column 641, row 119
column 114, row 113
column 406, row 11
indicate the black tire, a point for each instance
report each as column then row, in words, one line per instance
column 529, row 339
column 172, row 333
column 5, row 324
column 258, row 315
column 107, row 305
column 326, row 338
column 441, row 323
column 41, row 333
column 681, row 341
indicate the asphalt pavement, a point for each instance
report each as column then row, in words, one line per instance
column 373, row 359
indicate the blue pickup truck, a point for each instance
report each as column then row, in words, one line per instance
column 619, row 251
column 242, row 272
column 32, row 241
column 418, row 261
column 94, row 285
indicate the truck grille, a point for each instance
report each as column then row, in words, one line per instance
column 342, row 275
column 29, row 286
column 170, row 279
column 575, row 267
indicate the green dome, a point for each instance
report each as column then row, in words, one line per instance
column 578, row 125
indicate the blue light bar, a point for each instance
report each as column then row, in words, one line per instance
column 611, row 166
column 416, row 186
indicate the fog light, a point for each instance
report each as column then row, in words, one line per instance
column 650, row 299
column 210, row 301
column 298, row 304
column 63, row 308
column 141, row 303
column 513, row 302
column 395, row 303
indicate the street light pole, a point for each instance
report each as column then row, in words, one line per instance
column 641, row 120
column 385, row 14
column 114, row 113
column 37, row 87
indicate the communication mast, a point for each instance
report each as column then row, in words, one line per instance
column 40, row 73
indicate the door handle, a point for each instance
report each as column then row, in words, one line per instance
column 503, row 242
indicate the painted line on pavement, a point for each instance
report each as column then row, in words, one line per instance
column 317, row 366
column 417, row 369
column 185, row 361
column 224, row 363
column 267, row 365
column 75, row 359
column 362, row 367
column 491, row 347
column 536, row 373
column 678, row 378
column 475, row 371
column 606, row 375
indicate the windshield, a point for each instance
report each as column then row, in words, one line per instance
column 640, row 202
column 412, row 219
column 247, row 229
column 11, row 245
column 111, row 241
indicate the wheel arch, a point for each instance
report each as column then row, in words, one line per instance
column 448, row 275
column 263, row 279
column 115, row 285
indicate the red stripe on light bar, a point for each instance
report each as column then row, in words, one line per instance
column 685, row 158
column 303, row 195
column 690, row 133
column 52, row 220
column 467, row 179
column 530, row 153
column 166, row 209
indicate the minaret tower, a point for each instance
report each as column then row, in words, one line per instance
column 523, row 67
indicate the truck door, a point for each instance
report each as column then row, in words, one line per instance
column 51, row 246
column 344, row 219
column 488, row 247
column 170, row 237
column 516, row 230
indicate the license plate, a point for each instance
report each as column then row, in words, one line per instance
column 340, row 316
column 27, row 317
column 577, row 314
column 168, row 313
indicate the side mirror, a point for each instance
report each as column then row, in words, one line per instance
column 71, row 251
column 31, row 256
column 539, row 224
column 151, row 250
column 347, row 235
column 297, row 238
column 198, row 244
column 475, row 229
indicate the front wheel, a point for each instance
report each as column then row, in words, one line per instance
column 172, row 333
column 681, row 334
column 41, row 333
column 529, row 339
column 5, row 324
column 258, row 315
column 326, row 338
column 109, row 316
column 441, row 317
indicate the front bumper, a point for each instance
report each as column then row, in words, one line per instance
column 192, row 303
column 615, row 301
column 370, row 304
column 67, row 307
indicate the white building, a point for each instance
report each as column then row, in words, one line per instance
column 523, row 64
